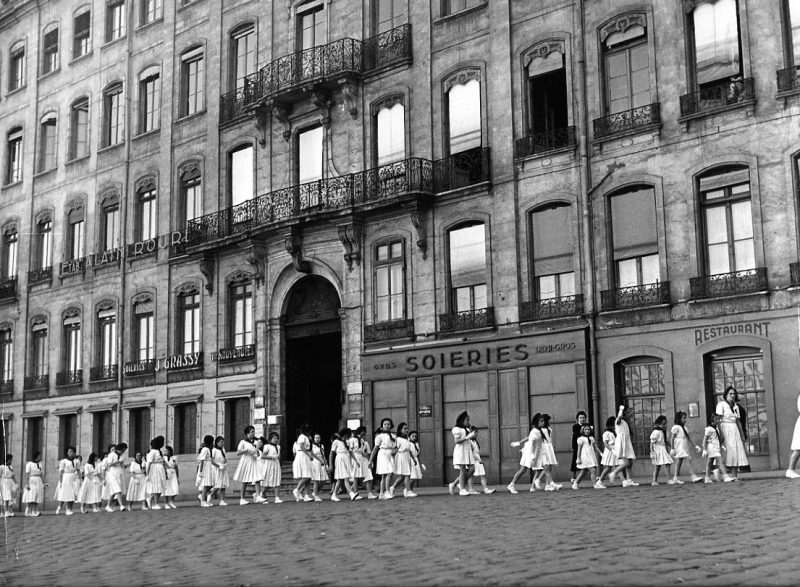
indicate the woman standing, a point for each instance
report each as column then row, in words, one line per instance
column 730, row 426
column 65, row 494
column 34, row 487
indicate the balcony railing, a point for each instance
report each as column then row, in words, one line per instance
column 391, row 330
column 718, row 96
column 789, row 79
column 543, row 142
column 461, row 170
column 651, row 294
column 8, row 289
column 562, row 307
column 237, row 354
column 469, row 320
column 729, row 284
column 7, row 386
column 388, row 48
column 103, row 373
column 42, row 275
column 32, row 382
column 794, row 274
column 69, row 377
column 627, row 121
column 134, row 368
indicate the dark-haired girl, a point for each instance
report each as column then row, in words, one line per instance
column 404, row 461
column 114, row 467
column 712, row 450
column 548, row 459
column 480, row 471
column 155, row 471
column 681, row 445
column 580, row 419
column 205, row 471
column 172, row 485
column 531, row 453
column 7, row 486
column 608, row 461
column 220, row 468
column 65, row 493
column 319, row 467
column 658, row 448
column 463, row 459
column 34, row 487
column 342, row 460
column 272, row 466
column 247, row 469
column 623, row 448
column 91, row 488
column 361, row 452
column 137, row 485
column 302, row 465
column 416, row 472
column 382, row 458
column 587, row 458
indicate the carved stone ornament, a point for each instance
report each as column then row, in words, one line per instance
column 4, row 326
column 350, row 94
column 621, row 24
column 322, row 102
column 74, row 204
column 189, row 169
column 386, row 102
column 187, row 289
column 207, row 269
column 145, row 184
column 109, row 195
column 142, row 298
column 419, row 217
column 689, row 5
column 71, row 312
column 351, row 236
column 461, row 77
column 281, row 112
column 261, row 119
column 294, row 246
column 543, row 49
column 11, row 227
column 256, row 255
column 105, row 305
column 239, row 278
column 39, row 319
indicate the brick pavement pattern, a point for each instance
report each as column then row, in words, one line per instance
column 722, row 534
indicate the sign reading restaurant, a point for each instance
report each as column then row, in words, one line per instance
column 707, row 333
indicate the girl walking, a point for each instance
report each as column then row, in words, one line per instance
column 220, row 468
column 548, row 459
column 580, row 419
column 92, row 486
column 419, row 468
column 681, row 443
column 7, row 486
column 156, row 474
column 659, row 455
column 319, row 467
column 247, row 469
column 362, row 454
column 623, row 448
column 712, row 450
column 137, row 486
column 205, row 471
column 34, row 487
column 65, row 494
column 608, row 461
column 462, row 454
column 404, row 461
column 272, row 467
column 480, row 471
column 531, row 453
column 587, row 458
column 172, row 485
column 114, row 466
column 342, row 460
column 382, row 457
column 302, row 465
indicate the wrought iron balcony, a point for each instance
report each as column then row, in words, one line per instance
column 789, row 80
column 72, row 267
column 41, row 381
column 729, row 284
column 8, row 289
column 562, row 307
column 390, row 330
column 543, row 142
column 42, row 275
column 469, row 320
column 103, row 373
column 794, row 274
column 461, row 170
column 7, row 386
column 237, row 354
column 628, row 121
column 69, row 377
column 638, row 296
column 135, row 368
column 388, row 49
column 718, row 96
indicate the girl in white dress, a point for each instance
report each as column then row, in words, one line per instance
column 681, row 448
column 531, row 453
column 730, row 427
column 78, row 477
column 7, row 486
column 790, row 471
column 404, row 461
column 586, row 459
column 34, row 487
column 419, row 468
column 172, row 485
column 206, row 468
column 92, row 487
column 319, row 467
column 712, row 450
column 608, row 461
column 155, row 471
column 65, row 494
column 303, row 461
column 343, row 463
column 548, row 458
column 623, row 448
column 480, row 470
column 114, row 478
column 462, row 454
column 272, row 466
column 247, row 469
column 221, row 478
column 137, row 485
column 260, row 443
column 382, row 457
column 361, row 452
column 659, row 454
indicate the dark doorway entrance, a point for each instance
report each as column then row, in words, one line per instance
column 313, row 359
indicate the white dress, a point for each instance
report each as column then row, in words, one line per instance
column 587, row 458
column 362, row 453
column 609, row 459
column 113, row 474
column 403, row 463
column 711, row 442
column 548, row 452
column 137, row 485
column 796, row 436
column 301, row 467
column 92, row 486
column 219, row 474
column 318, row 471
column 735, row 454
column 480, row 470
column 156, row 473
column 386, row 444
column 171, row 486
column 35, row 488
column 207, row 476
column 416, row 472
column 343, row 465
column 7, row 483
column 623, row 447
column 680, row 443
column 272, row 466
column 247, row 469
column 658, row 448
column 462, row 451
column 66, row 489
column 532, row 451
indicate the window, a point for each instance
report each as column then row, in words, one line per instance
column 391, row 133
column 464, row 116
column 454, row 6
column 144, row 331
column 241, row 175
column 243, row 54
column 152, row 10
column 714, row 27
column 50, row 51
column 67, row 433
column 47, row 143
column 727, row 221
column 192, row 82
column 113, row 116
column 138, row 429
column 634, row 237
column 311, row 30
column 110, row 226
column 81, row 34
column 553, row 252
column 102, row 423
column 237, row 416
column 79, row 125
column 389, row 14
column 185, row 428
column 640, row 387
column 389, row 282
column 309, row 148
column 149, row 101
column 242, row 318
column 44, row 243
column 467, row 247
column 7, row 355
column 627, row 70
column 547, row 91
column 189, row 323
column 10, row 248
column 39, row 350
column 72, row 346
column 115, row 20
column 146, row 223
column 16, row 78
column 35, row 436
column 76, row 234
column 14, row 154
column 107, row 326
column 192, row 191
column 791, row 23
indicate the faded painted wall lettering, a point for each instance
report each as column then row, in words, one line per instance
column 702, row 335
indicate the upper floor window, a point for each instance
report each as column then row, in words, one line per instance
column 389, row 14
column 309, row 155
column 391, row 133
column 76, row 234
column 146, row 223
column 192, row 194
column 627, row 66
column 635, row 237
column 110, row 236
column 188, row 323
column 144, row 342
column 39, row 350
column 72, row 344
column 149, row 101
column 243, row 54
column 44, row 243
column 467, row 256
column 192, row 82
column 50, row 50
column 14, row 156
column 311, row 28
column 242, row 314
column 115, row 20
column 548, row 109
column 727, row 221
column 113, row 116
column 454, row 6
column 151, row 11
column 6, row 355
column 241, row 175
column 79, row 129
column 716, row 46
column 464, row 112
column 10, row 252
column 107, row 327
column 553, row 268
column 81, row 34
column 389, row 282
column 16, row 69
column 47, row 143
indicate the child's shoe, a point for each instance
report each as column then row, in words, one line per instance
column 599, row 485
column 574, row 485
column 512, row 489
column 277, row 500
column 489, row 491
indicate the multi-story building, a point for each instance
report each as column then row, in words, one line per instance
column 217, row 213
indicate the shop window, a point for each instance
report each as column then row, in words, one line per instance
column 309, row 155
column 467, row 255
column 138, row 429
column 110, row 225
column 388, row 14
column 311, row 27
column 115, row 20
column 79, row 129
column 464, row 112
column 6, row 356
column 16, row 78
column 237, row 416
column 102, row 430
column 548, row 104
column 149, row 100
column 640, row 387
column 76, row 234
column 185, row 439
column 635, row 237
column 67, row 433
column 390, row 124
column 715, row 41
column 241, row 314
column 151, row 11
column 146, row 209
column 390, row 400
column 243, row 55
column 188, row 340
column 626, row 62
column 240, row 174
column 456, row 6
column 34, row 441
column 44, row 243
column 144, row 337
column 81, row 34
column 192, row 82
column 47, row 143
column 107, row 343
column 191, row 194
column 389, row 282
column 10, row 253
column 727, row 221
column 72, row 346
column 50, row 50
column 113, row 116
column 39, row 350
column 14, row 156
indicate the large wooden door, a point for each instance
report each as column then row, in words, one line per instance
column 553, row 390
column 512, row 400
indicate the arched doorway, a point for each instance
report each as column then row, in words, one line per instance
column 313, row 359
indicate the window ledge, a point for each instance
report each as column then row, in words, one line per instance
column 639, row 130
column 787, row 94
column 110, row 148
column 151, row 24
column 22, row 88
column 187, row 5
column 146, row 134
column 188, row 117
column 49, row 74
column 447, row 334
column 44, row 173
column 545, row 154
column 448, row 17
column 77, row 160
column 10, row 186
column 720, row 110
column 81, row 58
column 108, row 44
column 466, row 190
column 635, row 309
column 761, row 293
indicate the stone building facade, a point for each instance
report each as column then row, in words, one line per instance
column 217, row 213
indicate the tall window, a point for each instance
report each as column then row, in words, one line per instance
column 113, row 116
column 241, row 175
column 237, row 415
column 16, row 70
column 81, row 34
column 44, row 245
column 7, row 355
column 34, row 437
column 389, row 14
column 47, row 143
column 634, row 237
column 243, row 54
column 391, row 134
column 146, row 224
column 311, row 31
column 548, row 105
column 152, row 10
column 467, row 249
column 727, row 221
column 454, row 6
column 717, row 50
column 192, row 192
column 50, row 51
column 627, row 70
column 79, row 129
column 144, row 331
column 107, row 325
column 791, row 23
column 102, row 431
column 14, row 156
column 389, row 282
column 138, row 428
column 192, row 82
column 39, row 350
column 640, row 387
column 309, row 155
column 242, row 310
column 149, row 101
column 67, row 432
column 185, row 428
column 553, row 268
column 110, row 226
column 115, row 20
column 76, row 234
column 72, row 344
column 464, row 116
column 10, row 248
column 189, row 323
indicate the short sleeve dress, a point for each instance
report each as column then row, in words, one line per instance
column 34, row 491
column 403, row 463
column 342, row 466
column 362, row 456
column 272, row 466
column 711, row 442
column 220, row 472
column 301, row 467
column 416, row 471
column 532, row 451
column 480, row 470
column 207, row 475
column 247, row 469
column 586, row 454
column 385, row 443
column 318, row 472
column 7, row 483
column 113, row 474
column 735, row 454
column 137, row 485
column 156, row 473
column 66, row 489
column 680, row 443
column 548, row 452
column 91, row 488
column 623, row 447
column 462, row 451
column 609, row 459
column 171, row 487
column 658, row 448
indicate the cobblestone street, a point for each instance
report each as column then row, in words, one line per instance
column 735, row 533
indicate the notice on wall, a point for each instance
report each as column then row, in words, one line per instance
column 354, row 388
column 259, row 414
column 259, row 429
column 425, row 411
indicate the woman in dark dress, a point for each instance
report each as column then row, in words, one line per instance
column 580, row 419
